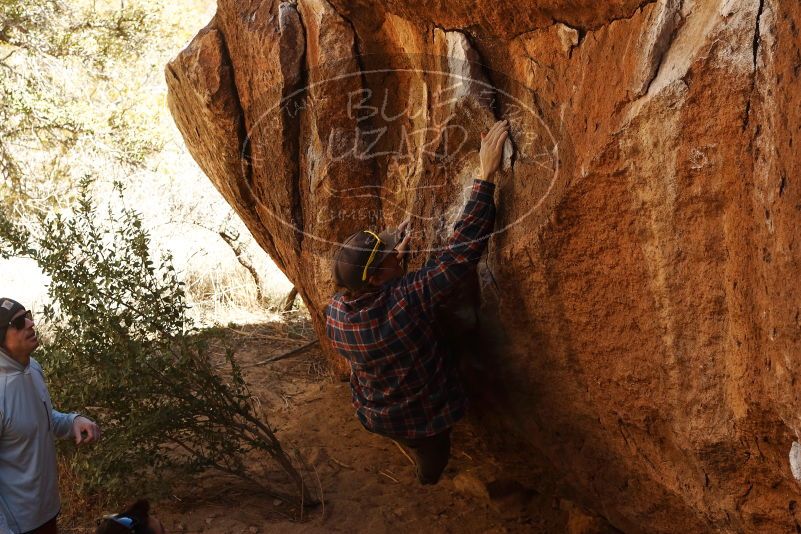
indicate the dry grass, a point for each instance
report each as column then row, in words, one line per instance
column 79, row 512
column 227, row 294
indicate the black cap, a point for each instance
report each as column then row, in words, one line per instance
column 353, row 255
column 8, row 309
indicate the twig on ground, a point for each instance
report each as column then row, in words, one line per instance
column 279, row 512
column 253, row 331
column 322, row 497
column 388, row 476
column 312, row 501
column 341, row 464
column 403, row 451
column 256, row 335
column 282, row 356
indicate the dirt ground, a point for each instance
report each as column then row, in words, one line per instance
column 367, row 482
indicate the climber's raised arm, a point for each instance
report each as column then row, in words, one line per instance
column 425, row 287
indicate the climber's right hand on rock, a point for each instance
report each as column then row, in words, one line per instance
column 492, row 149
column 402, row 248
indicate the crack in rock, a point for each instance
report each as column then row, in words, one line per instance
column 584, row 30
column 660, row 30
column 755, row 46
column 292, row 58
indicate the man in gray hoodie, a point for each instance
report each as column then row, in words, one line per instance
column 29, row 496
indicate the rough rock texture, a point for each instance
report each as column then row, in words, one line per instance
column 638, row 328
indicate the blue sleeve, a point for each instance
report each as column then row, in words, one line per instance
column 62, row 424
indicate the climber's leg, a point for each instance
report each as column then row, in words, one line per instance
column 431, row 455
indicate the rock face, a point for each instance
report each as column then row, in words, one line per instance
column 637, row 320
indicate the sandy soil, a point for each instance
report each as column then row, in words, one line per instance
column 367, row 483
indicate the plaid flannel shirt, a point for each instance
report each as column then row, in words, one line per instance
column 404, row 381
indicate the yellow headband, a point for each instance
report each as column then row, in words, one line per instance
column 372, row 254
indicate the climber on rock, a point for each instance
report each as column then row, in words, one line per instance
column 403, row 379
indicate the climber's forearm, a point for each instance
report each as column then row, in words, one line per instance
column 442, row 273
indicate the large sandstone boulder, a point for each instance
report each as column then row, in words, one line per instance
column 637, row 321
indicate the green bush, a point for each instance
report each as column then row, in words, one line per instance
column 70, row 96
column 119, row 347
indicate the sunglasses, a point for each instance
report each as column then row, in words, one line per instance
column 20, row 322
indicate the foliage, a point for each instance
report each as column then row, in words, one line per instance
column 68, row 75
column 119, row 343
column 82, row 92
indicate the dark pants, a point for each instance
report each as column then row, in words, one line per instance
column 430, row 454
column 48, row 528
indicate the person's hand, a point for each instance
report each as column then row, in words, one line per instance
column 403, row 246
column 404, row 225
column 82, row 425
column 492, row 148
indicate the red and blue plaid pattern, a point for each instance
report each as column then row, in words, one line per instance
column 404, row 381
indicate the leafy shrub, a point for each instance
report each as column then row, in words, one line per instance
column 118, row 342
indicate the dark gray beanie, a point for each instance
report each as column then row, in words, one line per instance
column 8, row 309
